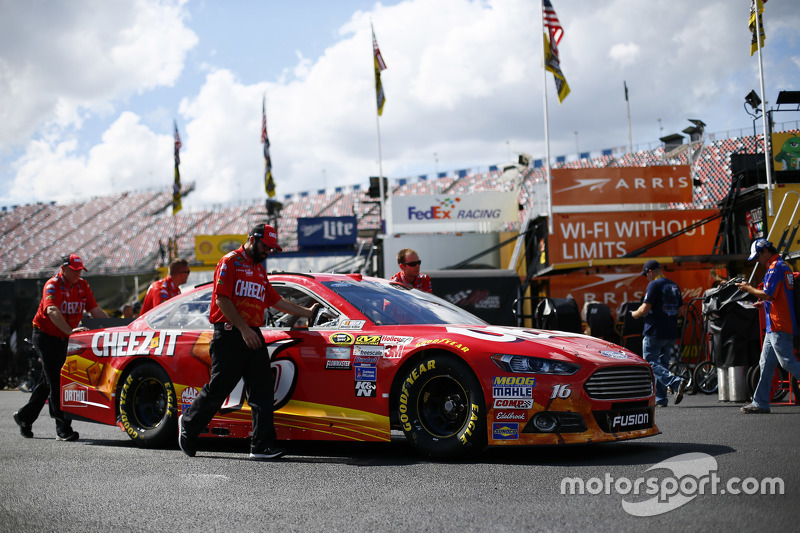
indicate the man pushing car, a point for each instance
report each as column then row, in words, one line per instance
column 240, row 296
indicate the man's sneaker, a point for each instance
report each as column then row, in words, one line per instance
column 660, row 404
column 24, row 429
column 185, row 444
column 68, row 437
column 679, row 392
column 752, row 409
column 268, row 454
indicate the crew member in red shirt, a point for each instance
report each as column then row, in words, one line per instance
column 241, row 295
column 65, row 298
column 409, row 263
column 164, row 289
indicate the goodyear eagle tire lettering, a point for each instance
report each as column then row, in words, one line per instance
column 148, row 406
column 441, row 408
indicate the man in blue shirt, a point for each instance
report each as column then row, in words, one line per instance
column 778, row 301
column 661, row 307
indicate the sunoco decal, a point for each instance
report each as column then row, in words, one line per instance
column 505, row 431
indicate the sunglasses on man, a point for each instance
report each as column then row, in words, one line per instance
column 413, row 263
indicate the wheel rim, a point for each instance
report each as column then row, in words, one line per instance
column 149, row 403
column 443, row 406
column 707, row 377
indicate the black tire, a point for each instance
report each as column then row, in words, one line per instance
column 683, row 370
column 777, row 394
column 148, row 406
column 752, row 380
column 441, row 408
column 705, row 377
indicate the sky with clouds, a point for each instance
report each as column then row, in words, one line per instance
column 89, row 89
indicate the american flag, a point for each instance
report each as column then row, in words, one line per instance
column 378, row 57
column 552, row 23
column 176, row 186
column 380, row 65
column 177, row 144
column 269, row 183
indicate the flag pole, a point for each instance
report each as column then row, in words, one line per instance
column 759, row 22
column 628, row 103
column 546, row 132
column 379, row 65
column 380, row 171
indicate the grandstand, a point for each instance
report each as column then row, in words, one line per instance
column 120, row 234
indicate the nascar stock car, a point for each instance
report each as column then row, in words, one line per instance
column 381, row 357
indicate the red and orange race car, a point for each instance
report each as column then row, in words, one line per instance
column 380, row 357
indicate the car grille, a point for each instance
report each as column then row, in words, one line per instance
column 620, row 383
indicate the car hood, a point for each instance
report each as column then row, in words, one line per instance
column 540, row 343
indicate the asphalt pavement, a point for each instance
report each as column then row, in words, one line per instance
column 712, row 468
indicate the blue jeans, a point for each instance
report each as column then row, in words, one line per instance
column 777, row 348
column 657, row 353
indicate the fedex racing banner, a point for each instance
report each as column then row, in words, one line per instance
column 483, row 212
column 621, row 185
column 612, row 234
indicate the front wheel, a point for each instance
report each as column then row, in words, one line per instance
column 705, row 377
column 148, row 407
column 441, row 408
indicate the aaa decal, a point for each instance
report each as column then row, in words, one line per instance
column 124, row 343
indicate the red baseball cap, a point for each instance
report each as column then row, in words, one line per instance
column 73, row 261
column 266, row 234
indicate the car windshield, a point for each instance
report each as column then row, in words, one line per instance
column 392, row 304
column 189, row 312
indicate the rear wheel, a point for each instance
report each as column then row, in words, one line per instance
column 148, row 407
column 705, row 377
column 441, row 408
column 682, row 370
column 775, row 389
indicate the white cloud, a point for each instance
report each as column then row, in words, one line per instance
column 55, row 170
column 463, row 81
column 63, row 60
column 624, row 54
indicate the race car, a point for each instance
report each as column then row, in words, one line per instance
column 380, row 358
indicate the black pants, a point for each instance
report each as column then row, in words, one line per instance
column 52, row 352
column 231, row 360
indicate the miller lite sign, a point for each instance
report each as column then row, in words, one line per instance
column 326, row 231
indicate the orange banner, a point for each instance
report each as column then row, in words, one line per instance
column 621, row 185
column 614, row 288
column 609, row 235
